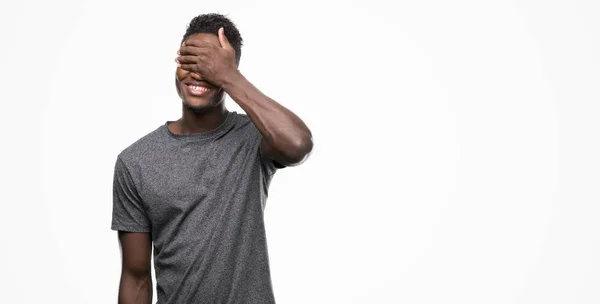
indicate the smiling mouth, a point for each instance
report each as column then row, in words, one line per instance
column 197, row 90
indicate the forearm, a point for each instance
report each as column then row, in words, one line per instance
column 133, row 290
column 281, row 128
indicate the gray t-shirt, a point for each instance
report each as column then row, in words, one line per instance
column 202, row 198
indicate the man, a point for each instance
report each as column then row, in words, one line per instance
column 196, row 188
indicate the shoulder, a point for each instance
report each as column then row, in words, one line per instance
column 244, row 125
column 144, row 146
column 252, row 134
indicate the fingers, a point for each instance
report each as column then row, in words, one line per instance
column 192, row 50
column 223, row 39
column 186, row 59
column 187, row 67
column 195, row 48
column 197, row 43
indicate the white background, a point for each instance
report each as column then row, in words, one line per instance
column 455, row 160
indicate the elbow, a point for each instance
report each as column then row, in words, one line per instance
column 300, row 151
column 305, row 148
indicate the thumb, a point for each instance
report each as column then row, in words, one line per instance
column 223, row 39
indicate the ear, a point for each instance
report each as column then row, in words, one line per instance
column 223, row 39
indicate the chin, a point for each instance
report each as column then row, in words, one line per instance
column 196, row 108
column 200, row 107
column 194, row 102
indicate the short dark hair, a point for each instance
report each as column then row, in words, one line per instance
column 210, row 24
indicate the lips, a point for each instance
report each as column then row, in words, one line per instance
column 198, row 88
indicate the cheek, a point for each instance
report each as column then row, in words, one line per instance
column 178, row 87
column 179, row 74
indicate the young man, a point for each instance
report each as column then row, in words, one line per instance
column 196, row 188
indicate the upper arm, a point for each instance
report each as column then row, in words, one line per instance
column 278, row 161
column 136, row 251
column 129, row 211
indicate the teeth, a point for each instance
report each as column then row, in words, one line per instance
column 199, row 88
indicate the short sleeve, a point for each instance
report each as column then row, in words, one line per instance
column 128, row 209
column 271, row 166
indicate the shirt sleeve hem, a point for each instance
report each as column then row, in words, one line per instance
column 129, row 228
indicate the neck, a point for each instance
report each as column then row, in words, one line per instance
column 197, row 122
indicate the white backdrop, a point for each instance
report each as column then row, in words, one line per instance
column 456, row 144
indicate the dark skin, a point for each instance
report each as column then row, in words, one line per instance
column 206, row 70
column 135, row 286
column 209, row 60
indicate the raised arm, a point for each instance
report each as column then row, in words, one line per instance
column 136, row 279
column 285, row 137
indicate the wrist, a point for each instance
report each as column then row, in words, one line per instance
column 233, row 79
